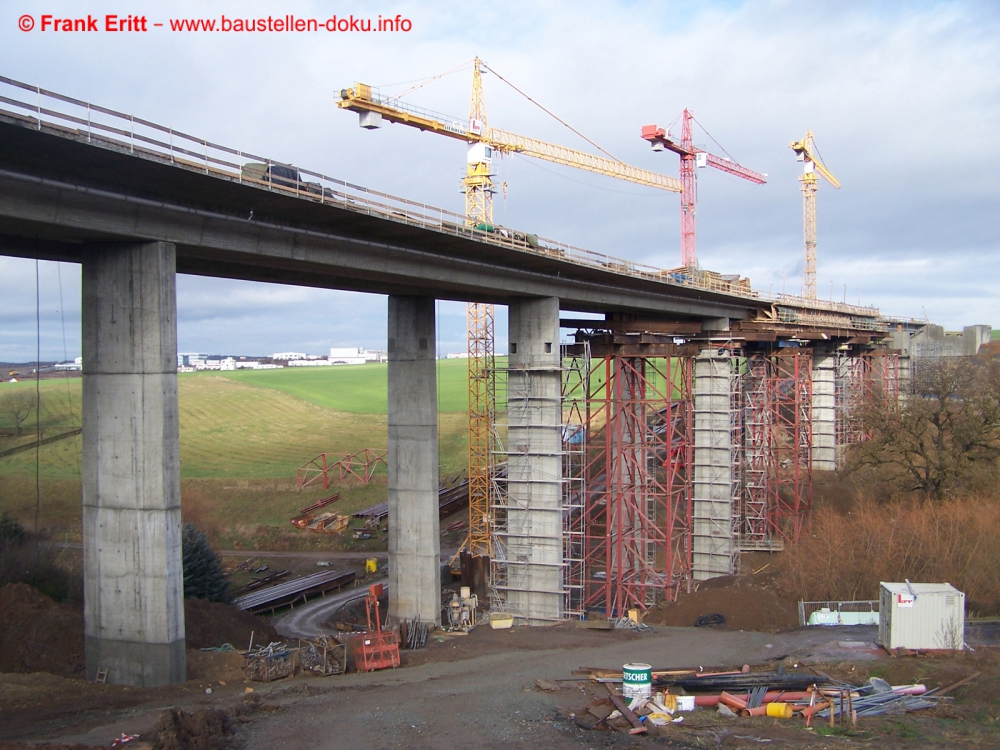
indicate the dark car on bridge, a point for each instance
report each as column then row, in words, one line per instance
column 283, row 175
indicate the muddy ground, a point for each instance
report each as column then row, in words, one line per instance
column 478, row 691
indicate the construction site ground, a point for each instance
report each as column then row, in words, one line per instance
column 479, row 690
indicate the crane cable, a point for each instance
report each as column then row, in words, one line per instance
column 69, row 395
column 552, row 114
column 426, row 81
column 38, row 409
column 715, row 141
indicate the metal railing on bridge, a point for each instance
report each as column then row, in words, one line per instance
column 106, row 128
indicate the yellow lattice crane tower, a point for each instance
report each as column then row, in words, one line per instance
column 484, row 144
column 480, row 316
column 805, row 151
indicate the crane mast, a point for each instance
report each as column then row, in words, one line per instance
column 478, row 180
column 480, row 316
column 805, row 151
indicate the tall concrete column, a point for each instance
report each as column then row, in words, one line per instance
column 534, row 534
column 905, row 377
column 824, row 410
column 713, row 546
column 414, row 528
column 133, row 578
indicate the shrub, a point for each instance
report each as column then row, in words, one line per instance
column 34, row 564
column 846, row 556
column 203, row 574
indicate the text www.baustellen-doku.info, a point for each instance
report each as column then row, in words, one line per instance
column 129, row 23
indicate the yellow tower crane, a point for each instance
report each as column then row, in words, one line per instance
column 805, row 151
column 484, row 144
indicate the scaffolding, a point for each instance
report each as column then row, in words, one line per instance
column 790, row 485
column 523, row 577
column 482, row 415
column 862, row 378
column 639, row 416
column 754, row 532
column 574, row 440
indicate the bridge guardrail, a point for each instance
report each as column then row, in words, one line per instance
column 109, row 128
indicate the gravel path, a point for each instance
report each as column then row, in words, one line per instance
column 306, row 620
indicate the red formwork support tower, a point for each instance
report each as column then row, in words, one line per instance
column 638, row 511
column 790, row 479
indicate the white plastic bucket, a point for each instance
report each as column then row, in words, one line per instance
column 685, row 703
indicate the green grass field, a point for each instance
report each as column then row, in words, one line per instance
column 243, row 436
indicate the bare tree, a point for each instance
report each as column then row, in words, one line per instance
column 17, row 405
column 941, row 435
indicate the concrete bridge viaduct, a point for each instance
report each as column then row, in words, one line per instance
column 134, row 219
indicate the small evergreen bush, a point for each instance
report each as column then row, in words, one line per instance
column 203, row 574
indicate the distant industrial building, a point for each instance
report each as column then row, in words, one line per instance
column 355, row 355
column 75, row 365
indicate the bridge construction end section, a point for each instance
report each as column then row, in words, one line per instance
column 414, row 528
column 133, row 575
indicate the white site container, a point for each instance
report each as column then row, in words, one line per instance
column 921, row 616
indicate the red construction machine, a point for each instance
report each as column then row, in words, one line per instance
column 378, row 649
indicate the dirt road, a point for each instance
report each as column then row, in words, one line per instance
column 306, row 621
column 473, row 691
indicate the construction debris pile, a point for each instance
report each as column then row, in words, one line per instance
column 271, row 662
column 315, row 518
column 651, row 703
column 323, row 655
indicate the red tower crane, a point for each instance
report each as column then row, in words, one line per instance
column 691, row 156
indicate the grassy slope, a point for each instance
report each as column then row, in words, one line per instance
column 243, row 435
column 355, row 389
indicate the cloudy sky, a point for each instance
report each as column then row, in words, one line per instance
column 904, row 99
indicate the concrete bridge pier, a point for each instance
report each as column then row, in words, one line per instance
column 716, row 497
column 414, row 528
column 133, row 577
column 824, row 411
column 534, row 531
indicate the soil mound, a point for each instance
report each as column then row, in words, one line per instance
column 747, row 603
column 210, row 624
column 37, row 634
column 205, row 729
